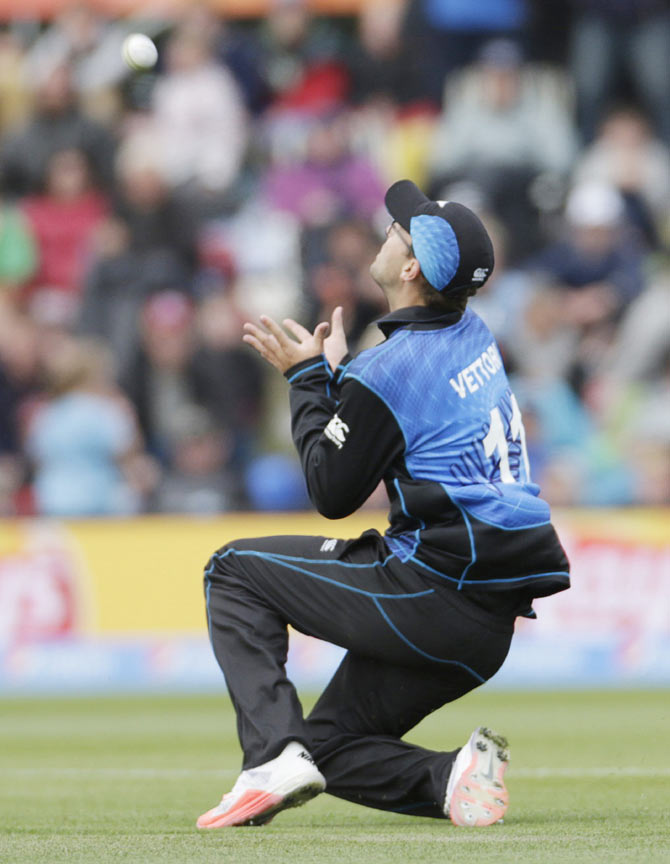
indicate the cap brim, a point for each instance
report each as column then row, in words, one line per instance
column 402, row 201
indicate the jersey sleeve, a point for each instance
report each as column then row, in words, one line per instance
column 346, row 437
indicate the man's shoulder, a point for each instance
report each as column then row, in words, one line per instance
column 390, row 356
column 408, row 349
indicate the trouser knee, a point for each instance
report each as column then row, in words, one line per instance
column 224, row 560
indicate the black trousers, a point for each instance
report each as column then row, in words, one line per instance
column 412, row 644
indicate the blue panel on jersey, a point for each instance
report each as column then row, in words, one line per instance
column 442, row 386
column 402, row 546
column 505, row 505
column 436, row 249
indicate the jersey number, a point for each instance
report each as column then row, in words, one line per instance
column 498, row 439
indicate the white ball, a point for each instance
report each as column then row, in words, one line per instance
column 139, row 51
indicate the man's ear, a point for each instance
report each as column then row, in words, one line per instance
column 411, row 270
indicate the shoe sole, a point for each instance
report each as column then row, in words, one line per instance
column 294, row 799
column 480, row 797
column 258, row 807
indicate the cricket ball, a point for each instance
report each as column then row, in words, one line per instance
column 139, row 51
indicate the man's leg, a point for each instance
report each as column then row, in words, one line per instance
column 356, row 726
column 254, row 589
column 413, row 647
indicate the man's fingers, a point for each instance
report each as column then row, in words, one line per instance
column 301, row 333
column 261, row 348
column 267, row 339
column 257, row 344
column 275, row 330
column 280, row 349
column 264, row 342
column 337, row 322
column 320, row 334
column 256, row 331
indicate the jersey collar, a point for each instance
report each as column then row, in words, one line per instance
column 417, row 318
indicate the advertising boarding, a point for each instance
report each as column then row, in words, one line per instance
column 118, row 604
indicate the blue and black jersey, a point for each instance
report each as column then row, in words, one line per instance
column 430, row 412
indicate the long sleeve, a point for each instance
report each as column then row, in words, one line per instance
column 345, row 435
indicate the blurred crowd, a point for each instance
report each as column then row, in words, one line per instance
column 145, row 216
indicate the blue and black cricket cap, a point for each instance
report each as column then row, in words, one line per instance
column 450, row 242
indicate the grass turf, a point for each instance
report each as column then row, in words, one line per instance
column 123, row 779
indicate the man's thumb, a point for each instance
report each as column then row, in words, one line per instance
column 321, row 332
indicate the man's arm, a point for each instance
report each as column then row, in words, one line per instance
column 346, row 437
column 345, row 434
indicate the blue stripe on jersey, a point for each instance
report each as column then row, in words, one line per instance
column 300, row 372
column 401, row 498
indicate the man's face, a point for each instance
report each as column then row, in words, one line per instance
column 392, row 256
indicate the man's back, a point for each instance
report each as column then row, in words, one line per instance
column 449, row 393
column 464, row 470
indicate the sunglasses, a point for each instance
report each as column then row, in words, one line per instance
column 394, row 226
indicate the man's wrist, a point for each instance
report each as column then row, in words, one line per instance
column 313, row 366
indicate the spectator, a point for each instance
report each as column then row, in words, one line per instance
column 20, row 383
column 15, row 102
column 147, row 245
column 264, row 245
column 577, row 466
column 502, row 126
column 18, row 253
column 384, row 62
column 57, row 124
column 337, row 273
column 641, row 350
column 454, row 31
column 502, row 302
column 198, row 480
column 63, row 221
column 199, row 116
column 83, row 441
column 238, row 49
column 393, row 117
column 92, row 44
column 160, row 223
column 305, row 70
column 265, row 204
column 610, row 38
column 546, row 343
column 118, row 283
column 597, row 269
column 228, row 378
column 159, row 379
column 626, row 155
column 331, row 180
column 302, row 59
column 631, row 391
column 598, row 264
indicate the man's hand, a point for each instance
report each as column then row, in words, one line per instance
column 279, row 349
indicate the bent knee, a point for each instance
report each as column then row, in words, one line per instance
column 225, row 560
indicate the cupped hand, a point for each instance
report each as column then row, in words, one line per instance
column 280, row 349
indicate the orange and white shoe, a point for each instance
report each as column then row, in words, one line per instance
column 476, row 793
column 260, row 793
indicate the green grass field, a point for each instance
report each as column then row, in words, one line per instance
column 123, row 779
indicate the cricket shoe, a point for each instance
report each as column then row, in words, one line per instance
column 476, row 793
column 260, row 793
